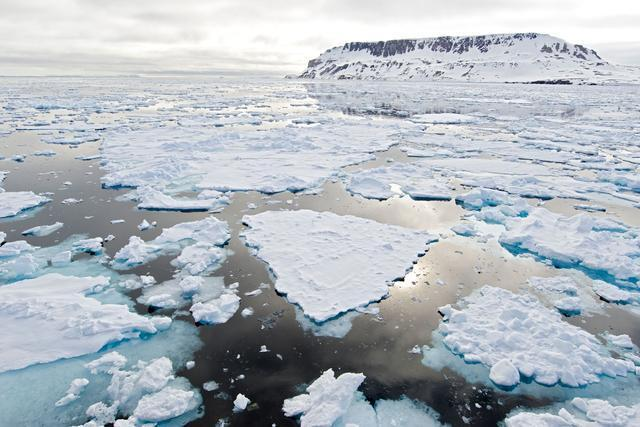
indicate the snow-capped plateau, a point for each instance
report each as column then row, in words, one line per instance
column 519, row 57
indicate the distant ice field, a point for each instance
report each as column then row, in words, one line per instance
column 193, row 251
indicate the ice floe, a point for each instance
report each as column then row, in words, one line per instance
column 336, row 401
column 329, row 264
column 562, row 290
column 53, row 317
column 597, row 245
column 152, row 199
column 217, row 310
column 414, row 180
column 291, row 158
column 43, row 230
column 14, row 202
column 327, row 399
column 503, row 330
column 148, row 392
column 205, row 234
column 73, row 393
column 579, row 413
column 240, row 403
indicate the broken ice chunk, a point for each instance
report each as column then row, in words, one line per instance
column 217, row 310
column 50, row 318
column 144, row 225
column 14, row 202
column 42, row 230
column 91, row 246
column 151, row 199
column 240, row 403
column 73, row 393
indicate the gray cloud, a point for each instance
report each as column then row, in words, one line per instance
column 123, row 36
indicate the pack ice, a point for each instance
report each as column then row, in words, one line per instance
column 197, row 242
column 580, row 412
column 598, row 245
column 53, row 317
column 517, row 337
column 329, row 264
column 147, row 392
column 412, row 179
column 336, row 401
column 290, row 158
column 14, row 202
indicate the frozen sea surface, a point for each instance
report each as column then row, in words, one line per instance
column 216, row 238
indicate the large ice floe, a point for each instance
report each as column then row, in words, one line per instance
column 54, row 316
column 197, row 243
column 579, row 413
column 414, row 180
column 14, row 202
column 599, row 246
column 516, row 338
column 153, row 199
column 336, row 401
column 290, row 158
column 329, row 264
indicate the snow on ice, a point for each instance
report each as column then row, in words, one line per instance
column 53, row 317
column 14, row 202
column 516, row 337
column 329, row 264
column 332, row 400
column 598, row 245
column 580, row 413
column 206, row 235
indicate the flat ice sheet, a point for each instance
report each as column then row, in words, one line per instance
column 595, row 244
column 329, row 264
column 51, row 317
column 14, row 202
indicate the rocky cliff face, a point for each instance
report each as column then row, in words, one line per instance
column 520, row 57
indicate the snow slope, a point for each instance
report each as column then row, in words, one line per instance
column 520, row 57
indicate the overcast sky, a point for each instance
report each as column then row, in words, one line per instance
column 135, row 36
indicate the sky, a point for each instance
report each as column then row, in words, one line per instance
column 113, row 37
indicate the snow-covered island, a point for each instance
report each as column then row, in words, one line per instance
column 502, row 58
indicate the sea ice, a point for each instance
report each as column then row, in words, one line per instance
column 500, row 329
column 240, row 403
column 329, row 264
column 595, row 244
column 147, row 392
column 43, row 230
column 165, row 404
column 580, row 412
column 93, row 246
column 611, row 293
column 14, row 202
column 73, row 393
column 561, row 290
column 327, row 399
column 404, row 178
column 331, row 401
column 150, row 198
column 217, row 310
column 290, row 158
column 51, row 317
column 205, row 233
